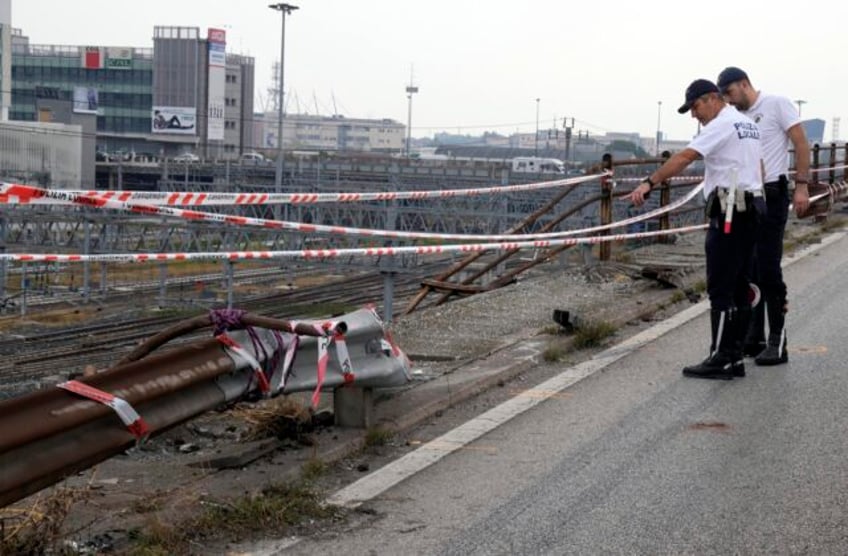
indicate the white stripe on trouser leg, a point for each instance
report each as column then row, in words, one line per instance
column 719, row 332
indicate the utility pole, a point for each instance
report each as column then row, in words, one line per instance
column 800, row 103
column 568, row 129
column 536, row 139
column 659, row 133
column 410, row 90
column 284, row 9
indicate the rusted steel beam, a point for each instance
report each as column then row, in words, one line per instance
column 48, row 435
column 35, row 466
column 509, row 253
column 45, row 412
column 473, row 257
column 453, row 287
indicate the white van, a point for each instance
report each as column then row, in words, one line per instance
column 536, row 165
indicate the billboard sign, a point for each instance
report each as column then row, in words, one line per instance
column 178, row 120
column 119, row 58
column 91, row 57
column 86, row 100
column 216, row 35
column 216, row 92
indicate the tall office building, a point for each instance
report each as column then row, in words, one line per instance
column 5, row 58
column 160, row 101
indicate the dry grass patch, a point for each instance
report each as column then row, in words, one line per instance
column 39, row 529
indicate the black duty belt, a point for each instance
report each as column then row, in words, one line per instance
column 781, row 181
column 717, row 201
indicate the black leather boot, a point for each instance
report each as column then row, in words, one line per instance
column 723, row 363
column 775, row 351
column 755, row 338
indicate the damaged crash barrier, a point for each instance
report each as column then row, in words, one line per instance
column 353, row 350
column 50, row 434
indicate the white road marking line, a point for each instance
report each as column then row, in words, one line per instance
column 393, row 473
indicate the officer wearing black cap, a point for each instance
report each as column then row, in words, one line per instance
column 779, row 125
column 729, row 144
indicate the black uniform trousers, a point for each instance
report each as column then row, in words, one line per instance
column 730, row 256
column 768, row 253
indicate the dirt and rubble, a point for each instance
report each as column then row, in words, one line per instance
column 217, row 458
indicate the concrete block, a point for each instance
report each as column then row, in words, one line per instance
column 354, row 407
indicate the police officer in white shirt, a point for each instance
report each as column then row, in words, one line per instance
column 779, row 125
column 729, row 144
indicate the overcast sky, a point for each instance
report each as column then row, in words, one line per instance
column 481, row 64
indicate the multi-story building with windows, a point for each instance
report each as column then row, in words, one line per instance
column 183, row 95
column 6, row 32
column 330, row 133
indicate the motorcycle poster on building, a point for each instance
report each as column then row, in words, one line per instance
column 174, row 119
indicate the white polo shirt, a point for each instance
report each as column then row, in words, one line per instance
column 730, row 144
column 774, row 115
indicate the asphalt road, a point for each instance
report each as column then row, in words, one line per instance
column 636, row 459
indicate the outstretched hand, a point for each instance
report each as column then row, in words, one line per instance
column 638, row 195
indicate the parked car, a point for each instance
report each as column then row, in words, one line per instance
column 120, row 155
column 252, row 156
column 186, row 157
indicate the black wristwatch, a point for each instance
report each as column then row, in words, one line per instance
column 649, row 182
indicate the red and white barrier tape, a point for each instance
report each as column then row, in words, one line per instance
column 193, row 215
column 342, row 355
column 236, row 351
column 134, row 423
column 12, row 193
column 309, row 254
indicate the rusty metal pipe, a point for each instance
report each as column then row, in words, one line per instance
column 45, row 412
column 31, row 467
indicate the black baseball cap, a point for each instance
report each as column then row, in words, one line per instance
column 728, row 75
column 696, row 90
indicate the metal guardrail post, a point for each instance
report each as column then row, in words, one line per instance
column 2, row 263
column 388, row 264
column 230, row 272
column 815, row 164
column 86, row 265
column 24, row 288
column 665, row 200
column 104, row 280
column 844, row 160
column 606, row 206
column 504, row 203
column 832, row 173
column 163, row 283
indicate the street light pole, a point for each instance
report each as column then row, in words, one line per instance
column 536, row 141
column 284, row 9
column 410, row 90
column 800, row 102
column 659, row 133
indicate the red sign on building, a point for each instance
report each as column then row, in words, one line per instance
column 92, row 57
